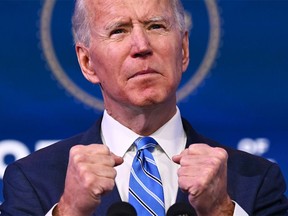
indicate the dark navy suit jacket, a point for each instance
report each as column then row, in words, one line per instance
column 34, row 184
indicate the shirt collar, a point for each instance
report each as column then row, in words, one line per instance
column 170, row 137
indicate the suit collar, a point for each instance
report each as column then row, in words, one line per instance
column 93, row 134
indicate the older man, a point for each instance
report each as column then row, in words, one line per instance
column 137, row 50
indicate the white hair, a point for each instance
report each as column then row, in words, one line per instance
column 81, row 28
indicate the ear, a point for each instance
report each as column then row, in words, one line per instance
column 185, row 52
column 85, row 63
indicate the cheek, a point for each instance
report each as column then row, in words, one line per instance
column 170, row 49
column 104, row 63
column 173, row 60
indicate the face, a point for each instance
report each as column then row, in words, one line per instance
column 136, row 52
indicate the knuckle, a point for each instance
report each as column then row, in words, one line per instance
column 83, row 171
column 103, row 149
column 193, row 147
column 86, row 179
column 214, row 161
column 104, row 186
column 76, row 157
column 75, row 150
column 110, row 185
column 114, row 173
column 222, row 153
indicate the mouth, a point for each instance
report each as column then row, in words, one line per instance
column 143, row 73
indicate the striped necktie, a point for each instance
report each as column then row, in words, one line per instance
column 145, row 186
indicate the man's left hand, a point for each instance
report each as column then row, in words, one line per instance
column 203, row 174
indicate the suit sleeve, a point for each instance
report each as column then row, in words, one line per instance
column 19, row 196
column 270, row 198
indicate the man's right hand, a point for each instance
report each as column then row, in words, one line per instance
column 90, row 174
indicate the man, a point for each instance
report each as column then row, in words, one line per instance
column 137, row 50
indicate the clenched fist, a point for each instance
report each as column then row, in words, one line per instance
column 203, row 175
column 90, row 174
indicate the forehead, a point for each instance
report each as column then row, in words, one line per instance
column 132, row 9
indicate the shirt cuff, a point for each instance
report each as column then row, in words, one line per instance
column 238, row 211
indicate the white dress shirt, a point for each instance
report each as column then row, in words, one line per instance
column 171, row 139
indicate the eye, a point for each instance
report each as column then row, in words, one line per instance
column 156, row 26
column 117, row 31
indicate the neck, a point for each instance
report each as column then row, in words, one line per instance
column 144, row 121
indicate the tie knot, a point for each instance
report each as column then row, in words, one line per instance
column 145, row 143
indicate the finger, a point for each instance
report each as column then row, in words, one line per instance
column 186, row 186
column 196, row 148
column 117, row 159
column 196, row 160
column 204, row 149
column 192, row 170
column 104, row 186
column 104, row 171
column 91, row 153
column 97, row 149
column 177, row 158
column 92, row 149
column 199, row 149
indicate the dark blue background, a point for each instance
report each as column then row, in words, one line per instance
column 245, row 94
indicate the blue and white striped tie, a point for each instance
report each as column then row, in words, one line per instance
column 145, row 186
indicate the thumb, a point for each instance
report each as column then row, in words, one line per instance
column 176, row 158
column 118, row 160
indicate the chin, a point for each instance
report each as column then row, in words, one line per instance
column 149, row 102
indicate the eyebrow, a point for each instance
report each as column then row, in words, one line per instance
column 156, row 19
column 121, row 23
column 117, row 23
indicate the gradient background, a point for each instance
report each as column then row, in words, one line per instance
column 242, row 103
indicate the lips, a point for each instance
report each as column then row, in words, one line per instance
column 149, row 71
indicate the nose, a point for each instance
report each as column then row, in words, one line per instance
column 140, row 43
